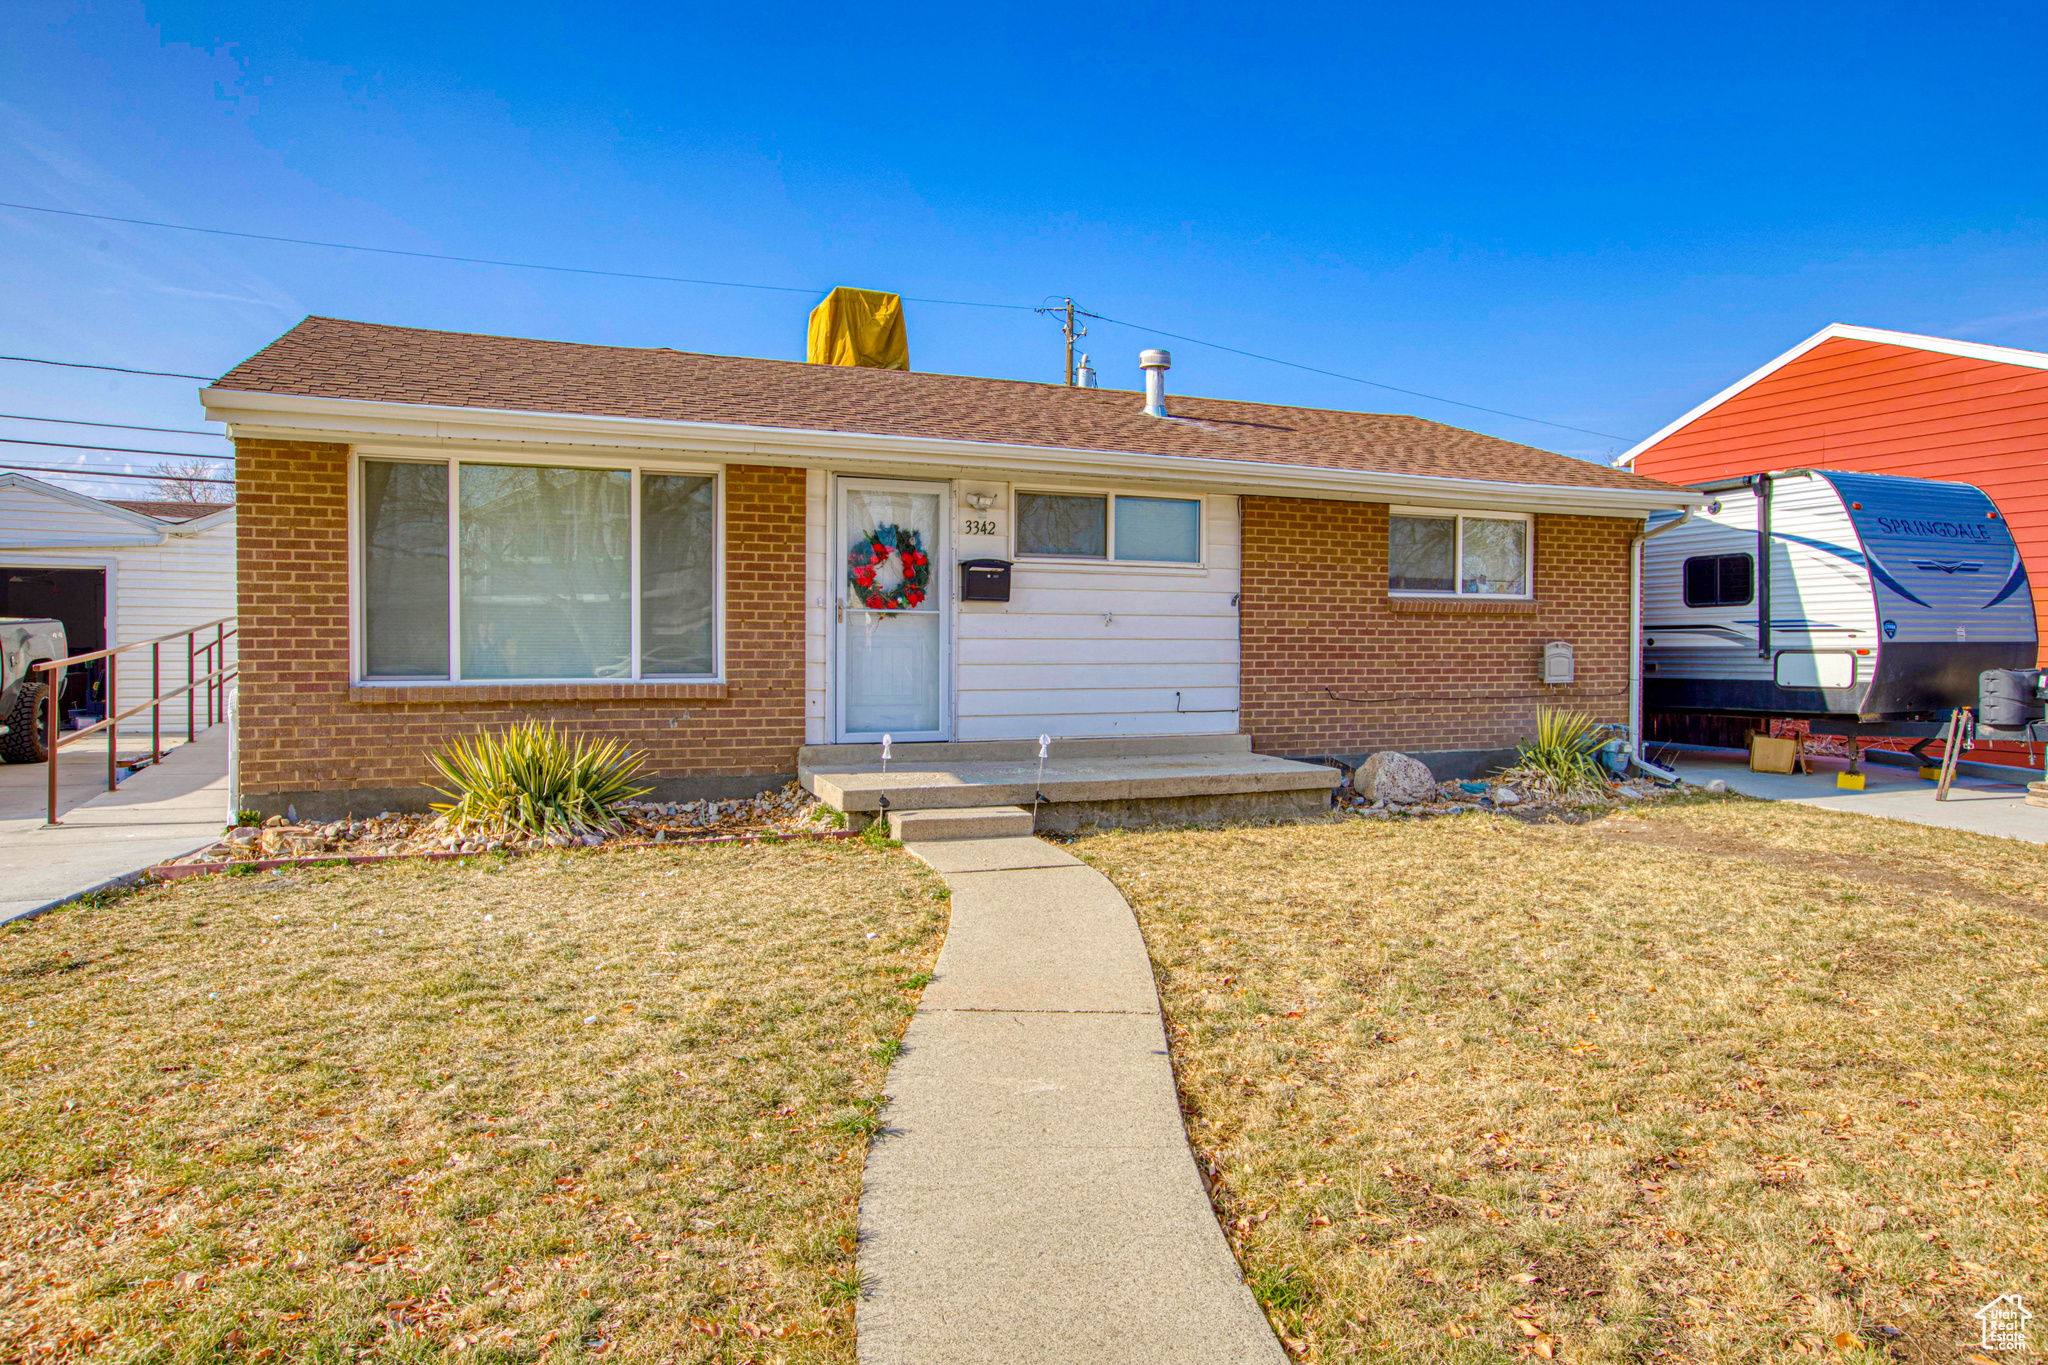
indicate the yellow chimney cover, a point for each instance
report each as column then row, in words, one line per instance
column 859, row 327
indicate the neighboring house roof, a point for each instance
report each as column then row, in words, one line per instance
column 128, row 524
column 165, row 510
column 334, row 359
column 1968, row 350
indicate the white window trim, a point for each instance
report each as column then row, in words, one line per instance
column 1457, row 593
column 358, row 637
column 1108, row 559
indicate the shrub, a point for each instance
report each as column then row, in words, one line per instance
column 531, row 779
column 1562, row 754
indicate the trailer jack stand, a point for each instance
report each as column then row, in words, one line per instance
column 1852, row 778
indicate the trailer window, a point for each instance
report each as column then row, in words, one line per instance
column 1720, row 580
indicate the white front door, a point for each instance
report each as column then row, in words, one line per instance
column 893, row 593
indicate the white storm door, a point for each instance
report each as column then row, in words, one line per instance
column 892, row 596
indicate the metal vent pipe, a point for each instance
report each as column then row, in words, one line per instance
column 1155, row 364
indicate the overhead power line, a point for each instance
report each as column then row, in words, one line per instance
column 117, row 369
column 476, row 260
column 123, row 450
column 744, row 284
column 1349, row 378
column 109, row 474
column 122, row 426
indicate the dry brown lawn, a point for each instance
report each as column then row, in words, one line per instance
column 566, row 1107
column 1713, row 1082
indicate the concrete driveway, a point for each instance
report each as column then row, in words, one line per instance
column 1974, row 804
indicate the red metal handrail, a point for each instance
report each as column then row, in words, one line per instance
column 214, row 680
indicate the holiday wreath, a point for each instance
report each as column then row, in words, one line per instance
column 889, row 569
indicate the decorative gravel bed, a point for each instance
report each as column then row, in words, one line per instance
column 791, row 810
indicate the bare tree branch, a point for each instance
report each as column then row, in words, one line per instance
column 178, row 481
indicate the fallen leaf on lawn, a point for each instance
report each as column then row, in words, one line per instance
column 1846, row 1341
column 1546, row 1347
column 1529, row 1328
column 1524, row 1278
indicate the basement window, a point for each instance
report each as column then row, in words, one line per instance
column 479, row 571
column 1457, row 554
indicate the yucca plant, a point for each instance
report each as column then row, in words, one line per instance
column 531, row 779
column 1563, row 751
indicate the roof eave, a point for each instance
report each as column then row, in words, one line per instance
column 360, row 422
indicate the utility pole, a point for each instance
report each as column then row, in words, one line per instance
column 1068, row 329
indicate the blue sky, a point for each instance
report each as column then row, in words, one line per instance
column 1593, row 216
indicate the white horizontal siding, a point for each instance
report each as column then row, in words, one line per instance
column 1048, row 662
column 152, row 590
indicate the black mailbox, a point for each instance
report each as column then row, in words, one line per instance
column 985, row 580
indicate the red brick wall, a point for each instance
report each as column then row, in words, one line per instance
column 303, row 728
column 1424, row 676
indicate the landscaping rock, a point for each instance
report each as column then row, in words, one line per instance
column 1507, row 796
column 1395, row 778
column 1717, row 785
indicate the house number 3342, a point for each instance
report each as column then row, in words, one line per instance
column 979, row 527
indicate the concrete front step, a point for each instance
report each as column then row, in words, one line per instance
column 958, row 822
column 921, row 785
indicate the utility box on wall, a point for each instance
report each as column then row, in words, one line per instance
column 984, row 580
column 1559, row 670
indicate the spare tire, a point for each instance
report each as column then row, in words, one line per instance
column 28, row 726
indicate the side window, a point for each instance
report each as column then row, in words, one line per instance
column 1720, row 580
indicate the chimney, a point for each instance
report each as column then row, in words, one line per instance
column 1155, row 364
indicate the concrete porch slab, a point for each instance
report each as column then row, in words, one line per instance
column 917, row 784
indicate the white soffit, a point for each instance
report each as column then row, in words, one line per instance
column 361, row 423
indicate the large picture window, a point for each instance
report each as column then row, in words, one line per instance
column 1477, row 554
column 1110, row 526
column 528, row 572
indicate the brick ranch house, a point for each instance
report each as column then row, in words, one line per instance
column 441, row 532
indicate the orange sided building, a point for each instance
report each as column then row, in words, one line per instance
column 1872, row 401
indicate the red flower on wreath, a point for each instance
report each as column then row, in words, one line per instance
column 872, row 550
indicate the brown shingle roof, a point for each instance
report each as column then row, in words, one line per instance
column 335, row 358
column 169, row 511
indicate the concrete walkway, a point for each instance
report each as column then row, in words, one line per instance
column 1032, row 1197
column 1973, row 804
column 162, row 812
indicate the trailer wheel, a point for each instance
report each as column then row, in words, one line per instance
column 27, row 739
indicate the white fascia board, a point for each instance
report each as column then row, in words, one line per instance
column 82, row 501
column 199, row 526
column 350, row 421
column 1973, row 350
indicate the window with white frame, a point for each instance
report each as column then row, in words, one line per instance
column 1113, row 526
column 478, row 571
column 1478, row 554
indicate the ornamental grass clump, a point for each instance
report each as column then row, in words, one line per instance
column 1563, row 756
column 532, row 779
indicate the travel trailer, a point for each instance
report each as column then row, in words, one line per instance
column 1880, row 598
